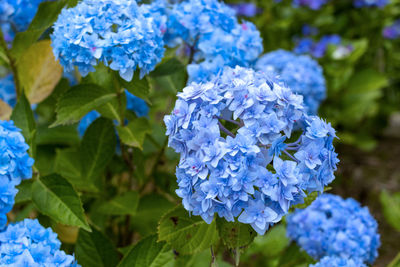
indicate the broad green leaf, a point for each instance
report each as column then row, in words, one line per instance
column 60, row 135
column 395, row 262
column 138, row 87
column 148, row 252
column 125, row 204
column 293, row 256
column 97, row 149
column 45, row 17
column 167, row 68
column 95, row 249
column 55, row 197
column 134, row 133
column 234, row 234
column 391, row 208
column 186, row 233
column 39, row 72
column 22, row 116
column 307, row 201
column 5, row 110
column 78, row 101
column 69, row 165
column 24, row 191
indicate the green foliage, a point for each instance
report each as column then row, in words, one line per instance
column 391, row 208
column 235, row 235
column 186, row 235
column 134, row 133
column 54, row 196
column 125, row 204
column 95, row 250
column 78, row 101
column 148, row 252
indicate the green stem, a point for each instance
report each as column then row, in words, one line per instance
column 11, row 62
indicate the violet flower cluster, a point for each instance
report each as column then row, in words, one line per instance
column 332, row 226
column 27, row 243
column 392, row 31
column 240, row 156
column 214, row 35
column 16, row 15
column 312, row 4
column 302, row 74
column 316, row 49
column 121, row 34
column 370, row 3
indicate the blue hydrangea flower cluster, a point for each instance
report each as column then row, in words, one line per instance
column 316, row 48
column 215, row 36
column 133, row 103
column 121, row 34
column 16, row 15
column 312, row 4
column 332, row 226
column 7, row 90
column 393, row 31
column 332, row 261
column 27, row 243
column 15, row 165
column 238, row 155
column 302, row 74
column 370, row 3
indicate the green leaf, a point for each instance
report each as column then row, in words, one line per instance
column 22, row 116
column 55, row 197
column 167, row 68
column 234, row 234
column 293, row 256
column 78, row 101
column 69, row 165
column 45, row 17
column 148, row 252
column 138, row 87
column 125, row 204
column 307, row 201
column 24, row 191
column 395, row 262
column 391, row 208
column 39, row 72
column 186, row 233
column 95, row 249
column 97, row 149
column 135, row 132
column 60, row 135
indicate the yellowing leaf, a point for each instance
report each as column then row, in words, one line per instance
column 39, row 72
column 5, row 110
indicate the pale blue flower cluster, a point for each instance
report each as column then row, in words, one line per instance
column 7, row 90
column 238, row 155
column 16, row 15
column 302, row 74
column 312, row 4
column 332, row 261
column 332, row 226
column 215, row 36
column 27, row 243
column 120, row 34
column 15, row 165
column 133, row 103
column 316, row 48
column 370, row 3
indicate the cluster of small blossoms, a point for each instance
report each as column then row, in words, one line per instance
column 246, row 9
column 133, row 103
column 7, row 90
column 121, row 34
column 317, row 49
column 332, row 261
column 15, row 165
column 302, row 74
column 393, row 31
column 370, row 3
column 229, row 130
column 27, row 243
column 312, row 4
column 332, row 226
column 215, row 36
column 16, row 15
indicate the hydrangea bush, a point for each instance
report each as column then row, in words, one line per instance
column 161, row 135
